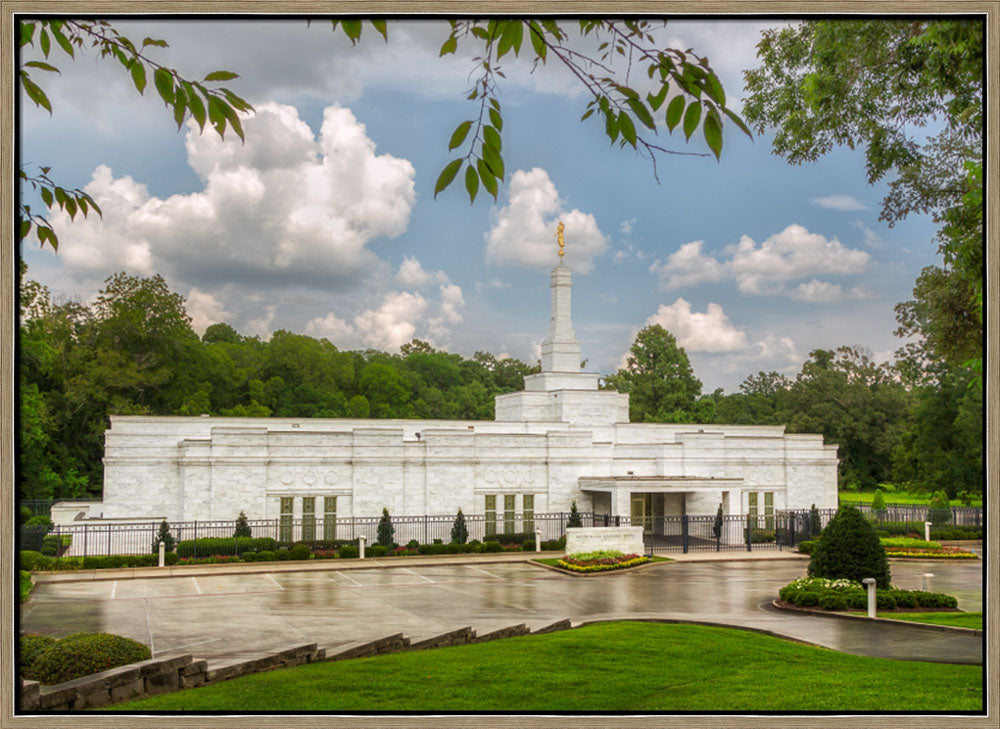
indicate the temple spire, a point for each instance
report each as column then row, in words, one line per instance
column 560, row 348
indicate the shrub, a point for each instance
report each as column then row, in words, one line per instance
column 32, row 561
column 51, row 545
column 554, row 545
column 378, row 550
column 491, row 547
column 833, row 602
column 265, row 555
column 24, row 584
column 940, row 509
column 807, row 546
column 31, row 646
column 210, row 546
column 348, row 551
column 908, row 542
column 904, row 598
column 24, row 513
column 282, row 554
column 431, row 548
column 807, row 598
column 386, row 530
column 815, row 523
column 850, row 549
column 299, row 551
column 413, row 544
column 935, row 599
column 856, row 599
column 459, row 532
column 884, row 601
column 574, row 516
column 242, row 526
column 40, row 520
column 82, row 654
column 164, row 535
column 878, row 502
column 513, row 537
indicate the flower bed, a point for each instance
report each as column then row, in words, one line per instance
column 930, row 553
column 818, row 592
column 603, row 561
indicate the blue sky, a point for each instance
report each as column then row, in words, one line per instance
column 325, row 222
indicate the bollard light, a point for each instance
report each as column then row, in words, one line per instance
column 163, row 554
column 869, row 583
column 927, row 581
column 927, row 531
column 361, row 545
column 538, row 540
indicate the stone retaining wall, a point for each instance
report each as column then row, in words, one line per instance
column 159, row 675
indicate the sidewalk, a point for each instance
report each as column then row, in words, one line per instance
column 319, row 565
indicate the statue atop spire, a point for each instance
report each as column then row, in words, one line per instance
column 560, row 239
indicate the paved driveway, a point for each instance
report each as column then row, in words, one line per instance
column 232, row 615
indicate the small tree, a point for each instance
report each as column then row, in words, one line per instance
column 459, row 532
column 163, row 535
column 940, row 511
column 574, row 516
column 242, row 526
column 878, row 502
column 815, row 523
column 850, row 549
column 717, row 527
column 386, row 531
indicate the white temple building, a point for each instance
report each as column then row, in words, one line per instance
column 559, row 440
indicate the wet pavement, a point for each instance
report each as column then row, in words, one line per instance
column 243, row 613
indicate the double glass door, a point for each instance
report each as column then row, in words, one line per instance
column 642, row 512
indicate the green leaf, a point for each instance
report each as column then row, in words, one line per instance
column 611, row 125
column 714, row 89
column 46, row 196
column 379, row 25
column 42, row 65
column 71, row 207
column 60, row 196
column 194, row 104
column 640, row 110
column 492, row 137
column 62, row 40
column 486, row 175
column 627, row 128
column 458, row 136
column 154, row 42
column 45, row 233
column 691, row 118
column 35, row 93
column 511, row 36
column 43, row 40
column 164, row 82
column 232, row 116
column 221, row 76
column 496, row 119
column 675, row 110
column 656, row 100
column 27, row 31
column 25, row 228
column 586, row 114
column 471, row 183
column 738, row 122
column 713, row 132
column 494, row 160
column 537, row 40
column 447, row 175
column 449, row 46
column 138, row 72
column 352, row 28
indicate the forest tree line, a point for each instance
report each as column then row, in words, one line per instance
column 916, row 422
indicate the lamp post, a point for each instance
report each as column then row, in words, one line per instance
column 869, row 583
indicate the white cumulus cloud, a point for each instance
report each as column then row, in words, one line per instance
column 688, row 266
column 524, row 230
column 708, row 331
column 205, row 310
column 839, row 202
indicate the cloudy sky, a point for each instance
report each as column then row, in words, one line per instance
column 324, row 222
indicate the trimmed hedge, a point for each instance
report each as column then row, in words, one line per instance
column 82, row 654
column 849, row 549
column 31, row 646
column 831, row 594
column 212, row 546
column 35, row 561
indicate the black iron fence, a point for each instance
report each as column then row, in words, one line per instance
column 954, row 515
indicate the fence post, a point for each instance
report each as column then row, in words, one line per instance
column 85, row 541
column 684, row 532
column 750, row 521
column 109, row 539
column 195, row 538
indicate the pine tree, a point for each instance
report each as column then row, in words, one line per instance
column 386, row 530
column 815, row 523
column 242, row 527
column 574, row 517
column 163, row 535
column 459, row 532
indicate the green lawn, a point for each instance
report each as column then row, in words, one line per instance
column 26, row 585
column 897, row 497
column 626, row 666
column 959, row 620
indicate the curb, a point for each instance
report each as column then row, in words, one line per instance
column 891, row 621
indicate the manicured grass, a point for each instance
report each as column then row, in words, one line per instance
column 897, row 497
column 26, row 585
column 958, row 620
column 626, row 666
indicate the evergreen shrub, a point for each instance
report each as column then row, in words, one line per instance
column 212, row 546
column 378, row 550
column 386, row 530
column 163, row 535
column 849, row 549
column 82, row 654
column 31, row 646
column 491, row 547
column 299, row 551
column 348, row 551
column 242, row 526
column 459, row 531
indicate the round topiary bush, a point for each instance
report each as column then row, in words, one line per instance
column 850, row 549
column 31, row 646
column 82, row 654
column 299, row 551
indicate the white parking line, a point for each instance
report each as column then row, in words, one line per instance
column 477, row 569
column 351, row 579
column 275, row 581
column 415, row 574
column 197, row 587
column 114, row 589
